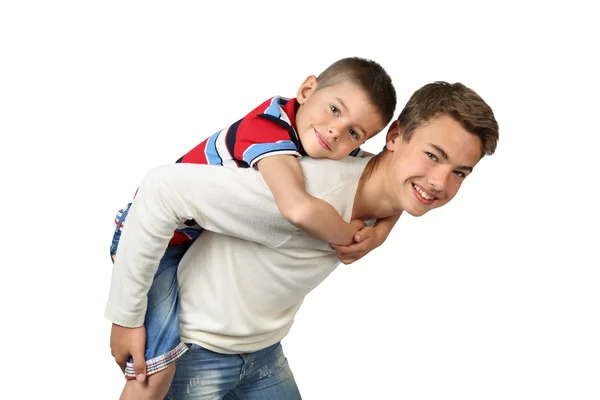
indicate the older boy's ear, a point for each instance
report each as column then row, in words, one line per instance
column 393, row 134
column 306, row 89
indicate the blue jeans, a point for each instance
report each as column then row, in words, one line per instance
column 163, row 343
column 205, row 375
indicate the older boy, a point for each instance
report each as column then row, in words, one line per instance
column 241, row 284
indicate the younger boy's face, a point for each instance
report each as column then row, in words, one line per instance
column 333, row 121
column 427, row 171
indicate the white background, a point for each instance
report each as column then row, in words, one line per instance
column 495, row 296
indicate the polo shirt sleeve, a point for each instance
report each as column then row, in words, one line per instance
column 265, row 134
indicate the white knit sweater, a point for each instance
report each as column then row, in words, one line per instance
column 244, row 279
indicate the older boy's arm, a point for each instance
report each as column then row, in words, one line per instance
column 382, row 227
column 283, row 174
column 367, row 239
column 215, row 197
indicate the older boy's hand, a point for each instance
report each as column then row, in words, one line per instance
column 126, row 342
column 366, row 240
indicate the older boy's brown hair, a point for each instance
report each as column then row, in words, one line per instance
column 370, row 76
column 457, row 101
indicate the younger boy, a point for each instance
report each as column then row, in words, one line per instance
column 331, row 117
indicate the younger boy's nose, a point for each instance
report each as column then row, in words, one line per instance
column 333, row 132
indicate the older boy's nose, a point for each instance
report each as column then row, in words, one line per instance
column 438, row 179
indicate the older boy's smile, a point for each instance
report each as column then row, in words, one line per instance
column 423, row 195
column 439, row 155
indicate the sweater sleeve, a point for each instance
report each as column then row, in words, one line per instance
column 234, row 202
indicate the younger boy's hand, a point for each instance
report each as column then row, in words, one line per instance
column 357, row 224
column 365, row 239
column 129, row 342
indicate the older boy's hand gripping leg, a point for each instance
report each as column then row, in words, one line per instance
column 129, row 342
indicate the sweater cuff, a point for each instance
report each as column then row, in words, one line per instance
column 119, row 317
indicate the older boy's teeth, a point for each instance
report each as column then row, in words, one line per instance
column 423, row 194
column 426, row 196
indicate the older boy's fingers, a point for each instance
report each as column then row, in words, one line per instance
column 121, row 362
column 353, row 248
column 139, row 366
column 361, row 236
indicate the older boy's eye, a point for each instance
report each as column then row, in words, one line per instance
column 460, row 174
column 334, row 109
column 431, row 156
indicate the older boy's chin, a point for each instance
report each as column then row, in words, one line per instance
column 417, row 211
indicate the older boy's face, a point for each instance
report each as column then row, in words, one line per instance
column 333, row 121
column 428, row 170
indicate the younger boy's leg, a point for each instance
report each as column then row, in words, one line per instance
column 155, row 387
column 163, row 343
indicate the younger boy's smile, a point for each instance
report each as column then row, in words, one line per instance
column 322, row 141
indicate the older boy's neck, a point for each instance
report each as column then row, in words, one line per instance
column 371, row 200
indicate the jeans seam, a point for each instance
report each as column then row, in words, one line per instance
column 238, row 394
column 124, row 213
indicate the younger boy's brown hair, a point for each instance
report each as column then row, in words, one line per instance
column 370, row 76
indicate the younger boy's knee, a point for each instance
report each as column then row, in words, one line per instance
column 155, row 387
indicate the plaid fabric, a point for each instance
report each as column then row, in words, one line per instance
column 159, row 363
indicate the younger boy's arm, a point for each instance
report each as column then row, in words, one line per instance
column 283, row 174
column 367, row 239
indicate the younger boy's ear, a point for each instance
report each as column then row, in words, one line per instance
column 393, row 135
column 306, row 89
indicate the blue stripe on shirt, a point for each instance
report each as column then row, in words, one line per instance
column 212, row 156
column 274, row 109
column 257, row 150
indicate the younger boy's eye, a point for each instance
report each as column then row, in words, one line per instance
column 334, row 109
column 354, row 134
column 431, row 156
